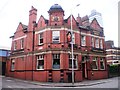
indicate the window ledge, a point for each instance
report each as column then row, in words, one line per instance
column 40, row 69
column 94, row 69
column 83, row 45
column 73, row 69
column 56, row 43
column 12, row 70
column 40, row 44
column 102, row 69
column 18, row 50
column 55, row 69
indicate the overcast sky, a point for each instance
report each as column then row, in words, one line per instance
column 14, row 11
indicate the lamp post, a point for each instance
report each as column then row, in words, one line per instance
column 72, row 47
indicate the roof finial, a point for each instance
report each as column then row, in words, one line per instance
column 32, row 7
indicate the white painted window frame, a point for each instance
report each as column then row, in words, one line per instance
column 40, row 58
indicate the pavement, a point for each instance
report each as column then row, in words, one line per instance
column 76, row 84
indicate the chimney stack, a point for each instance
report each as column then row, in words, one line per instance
column 32, row 18
column 79, row 20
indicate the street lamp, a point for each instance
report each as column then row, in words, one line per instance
column 72, row 47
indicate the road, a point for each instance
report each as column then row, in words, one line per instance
column 16, row 83
column 112, row 83
column 10, row 83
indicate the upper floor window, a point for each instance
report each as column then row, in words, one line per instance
column 92, row 42
column 40, row 38
column 73, row 38
column 102, row 66
column 56, row 36
column 114, row 57
column 95, row 63
column 97, row 43
column 83, row 40
column 101, row 44
column 22, row 43
column 56, row 61
column 74, row 61
column 40, row 62
column 15, row 45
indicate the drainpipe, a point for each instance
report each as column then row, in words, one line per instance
column 34, row 26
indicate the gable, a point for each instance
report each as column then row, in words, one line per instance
column 19, row 28
column 19, row 31
column 41, row 22
column 74, row 22
column 94, row 24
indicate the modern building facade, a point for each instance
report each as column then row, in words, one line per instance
column 4, row 53
column 97, row 15
column 41, row 51
column 113, row 53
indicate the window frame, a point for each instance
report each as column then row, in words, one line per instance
column 97, row 43
column 55, row 41
column 101, row 44
column 12, row 64
column 95, row 59
column 40, row 58
column 57, row 55
column 75, row 58
column 15, row 45
column 92, row 42
column 41, row 38
column 83, row 40
column 73, row 37
column 102, row 60
column 22, row 43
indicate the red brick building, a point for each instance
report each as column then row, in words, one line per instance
column 4, row 54
column 42, row 52
column 113, row 53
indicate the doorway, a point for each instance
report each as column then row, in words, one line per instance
column 69, row 77
column 3, row 68
column 84, row 71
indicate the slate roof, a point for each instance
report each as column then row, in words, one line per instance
column 55, row 7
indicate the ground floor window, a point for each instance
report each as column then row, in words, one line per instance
column 95, row 63
column 40, row 62
column 74, row 61
column 56, row 61
column 12, row 65
column 102, row 65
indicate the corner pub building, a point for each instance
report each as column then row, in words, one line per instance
column 41, row 51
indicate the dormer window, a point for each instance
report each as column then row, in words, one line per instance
column 22, row 43
column 92, row 42
column 40, row 38
column 101, row 44
column 15, row 45
column 97, row 43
